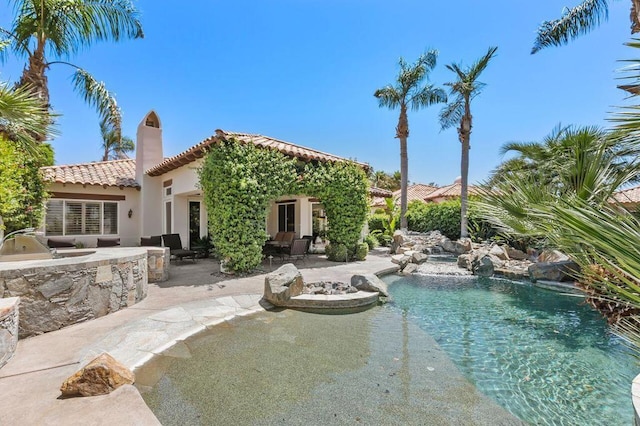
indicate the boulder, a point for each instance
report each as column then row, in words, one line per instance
column 463, row 245
column 398, row 240
column 483, row 266
column 370, row 282
column 409, row 269
column 283, row 284
column 515, row 253
column 553, row 271
column 552, row 256
column 418, row 257
column 400, row 259
column 499, row 252
column 447, row 245
column 101, row 376
column 464, row 261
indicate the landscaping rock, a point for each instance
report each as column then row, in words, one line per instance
column 370, row 282
column 515, row 253
column 400, row 259
column 8, row 328
column 483, row 266
column 409, row 269
column 464, row 261
column 418, row 257
column 447, row 245
column 499, row 252
column 283, row 284
column 552, row 256
column 101, row 376
column 553, row 271
column 463, row 245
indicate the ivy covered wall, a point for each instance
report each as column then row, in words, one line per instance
column 240, row 180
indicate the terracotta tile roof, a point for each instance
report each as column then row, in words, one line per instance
column 374, row 191
column 451, row 191
column 418, row 191
column 198, row 151
column 628, row 196
column 119, row 173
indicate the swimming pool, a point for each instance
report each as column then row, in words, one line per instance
column 543, row 356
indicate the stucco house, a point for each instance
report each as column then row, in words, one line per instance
column 154, row 195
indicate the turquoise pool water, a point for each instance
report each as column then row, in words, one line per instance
column 546, row 357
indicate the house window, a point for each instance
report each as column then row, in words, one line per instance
column 287, row 217
column 72, row 217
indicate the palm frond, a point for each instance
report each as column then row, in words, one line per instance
column 426, row 96
column 70, row 25
column 388, row 97
column 452, row 113
column 22, row 115
column 96, row 94
column 574, row 22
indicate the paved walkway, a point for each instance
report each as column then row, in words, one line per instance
column 197, row 296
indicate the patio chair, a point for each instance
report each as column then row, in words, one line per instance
column 310, row 241
column 108, row 242
column 176, row 250
column 61, row 242
column 152, row 241
column 297, row 250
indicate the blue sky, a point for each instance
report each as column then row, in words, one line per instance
column 305, row 71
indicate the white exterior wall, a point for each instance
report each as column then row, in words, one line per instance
column 128, row 228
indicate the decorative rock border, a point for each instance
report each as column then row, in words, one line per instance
column 284, row 288
column 59, row 292
column 8, row 328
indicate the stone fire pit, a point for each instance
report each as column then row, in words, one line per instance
column 285, row 288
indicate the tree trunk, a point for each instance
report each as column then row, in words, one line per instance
column 34, row 78
column 402, row 133
column 635, row 16
column 464, row 133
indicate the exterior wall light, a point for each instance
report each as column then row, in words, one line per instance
column 130, row 213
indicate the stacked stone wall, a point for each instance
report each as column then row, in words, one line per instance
column 58, row 293
column 8, row 328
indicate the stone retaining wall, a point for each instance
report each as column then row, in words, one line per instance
column 60, row 292
column 158, row 264
column 8, row 328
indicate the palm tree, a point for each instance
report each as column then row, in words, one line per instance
column 61, row 28
column 22, row 115
column 114, row 147
column 458, row 111
column 408, row 91
column 579, row 20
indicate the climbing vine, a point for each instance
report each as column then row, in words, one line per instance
column 240, row 180
column 22, row 188
column 343, row 189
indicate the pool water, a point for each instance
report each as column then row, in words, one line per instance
column 545, row 356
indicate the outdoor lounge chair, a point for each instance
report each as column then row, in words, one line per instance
column 174, row 243
column 153, row 241
column 61, row 242
column 108, row 242
column 297, row 250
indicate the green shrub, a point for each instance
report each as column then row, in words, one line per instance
column 361, row 251
column 371, row 241
column 445, row 217
column 336, row 252
column 384, row 240
column 377, row 222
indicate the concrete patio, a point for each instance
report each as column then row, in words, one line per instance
column 196, row 296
